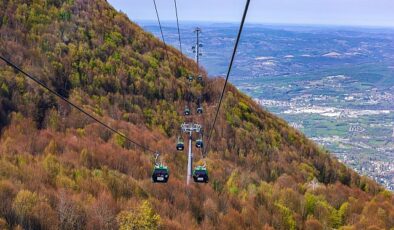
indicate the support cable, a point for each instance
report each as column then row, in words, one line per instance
column 228, row 74
column 36, row 80
column 161, row 29
column 179, row 31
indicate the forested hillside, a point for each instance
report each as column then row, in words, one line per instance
column 60, row 170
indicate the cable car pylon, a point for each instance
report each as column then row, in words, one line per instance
column 196, row 48
column 190, row 128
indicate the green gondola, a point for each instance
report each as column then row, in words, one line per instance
column 200, row 174
column 187, row 112
column 180, row 146
column 160, row 174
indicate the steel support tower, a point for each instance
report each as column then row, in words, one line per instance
column 190, row 128
column 196, row 48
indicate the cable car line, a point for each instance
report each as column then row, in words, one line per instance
column 200, row 173
column 228, row 74
column 36, row 80
column 160, row 172
column 161, row 29
column 179, row 31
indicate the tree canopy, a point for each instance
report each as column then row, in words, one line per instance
column 60, row 170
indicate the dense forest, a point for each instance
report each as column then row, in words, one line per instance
column 60, row 170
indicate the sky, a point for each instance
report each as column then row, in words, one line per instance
column 316, row 12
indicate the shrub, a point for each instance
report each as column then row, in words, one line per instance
column 143, row 218
column 24, row 203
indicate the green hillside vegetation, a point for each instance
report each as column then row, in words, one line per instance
column 60, row 170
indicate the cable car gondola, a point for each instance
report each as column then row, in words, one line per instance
column 190, row 78
column 199, row 107
column 199, row 78
column 187, row 112
column 160, row 174
column 199, row 143
column 180, row 146
column 200, row 174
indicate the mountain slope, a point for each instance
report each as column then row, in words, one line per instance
column 59, row 170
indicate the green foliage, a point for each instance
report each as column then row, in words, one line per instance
column 119, row 185
column 320, row 208
column 65, row 182
column 328, row 214
column 24, row 203
column 287, row 217
column 143, row 218
column 52, row 165
column 148, row 114
column 120, row 140
column 233, row 182
column 343, row 211
column 114, row 38
column 310, row 203
column 308, row 171
column 54, row 120
column 4, row 89
column 387, row 194
column 244, row 107
column 64, row 15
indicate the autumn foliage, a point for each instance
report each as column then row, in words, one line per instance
column 60, row 170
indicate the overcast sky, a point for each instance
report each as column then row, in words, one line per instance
column 320, row 12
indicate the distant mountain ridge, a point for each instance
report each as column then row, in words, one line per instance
column 59, row 170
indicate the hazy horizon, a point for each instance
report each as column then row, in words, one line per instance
column 352, row 13
column 194, row 22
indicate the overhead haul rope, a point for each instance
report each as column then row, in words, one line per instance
column 161, row 29
column 36, row 80
column 188, row 94
column 179, row 38
column 228, row 73
column 179, row 31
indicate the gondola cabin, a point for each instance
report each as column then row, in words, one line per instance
column 187, row 112
column 199, row 143
column 190, row 78
column 180, row 145
column 199, row 78
column 199, row 110
column 160, row 174
column 200, row 174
